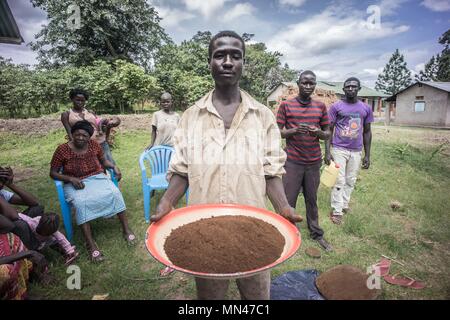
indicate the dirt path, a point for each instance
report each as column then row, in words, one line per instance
column 44, row 125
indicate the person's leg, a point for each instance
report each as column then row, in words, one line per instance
column 353, row 166
column 311, row 181
column 6, row 225
column 23, row 230
column 292, row 182
column 256, row 287
column 94, row 252
column 107, row 151
column 211, row 289
column 337, row 193
column 127, row 233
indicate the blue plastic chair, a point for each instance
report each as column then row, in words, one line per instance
column 65, row 207
column 158, row 158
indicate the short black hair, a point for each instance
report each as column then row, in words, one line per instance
column 353, row 79
column 222, row 34
column 304, row 73
column 83, row 125
column 76, row 91
column 48, row 222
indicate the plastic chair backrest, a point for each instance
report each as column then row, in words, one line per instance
column 158, row 158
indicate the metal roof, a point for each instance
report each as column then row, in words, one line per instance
column 336, row 87
column 444, row 86
column 9, row 32
column 439, row 85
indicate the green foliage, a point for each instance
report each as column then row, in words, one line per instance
column 26, row 93
column 263, row 71
column 443, row 72
column 430, row 71
column 395, row 76
column 113, row 87
column 108, row 30
column 183, row 69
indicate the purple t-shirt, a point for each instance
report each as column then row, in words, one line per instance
column 349, row 120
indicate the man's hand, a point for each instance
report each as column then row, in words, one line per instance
column 290, row 214
column 163, row 208
column 77, row 183
column 7, row 174
column 302, row 128
column 366, row 162
column 328, row 158
column 313, row 131
column 38, row 261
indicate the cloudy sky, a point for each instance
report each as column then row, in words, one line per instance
column 336, row 39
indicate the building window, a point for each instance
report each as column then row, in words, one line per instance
column 419, row 106
column 421, row 98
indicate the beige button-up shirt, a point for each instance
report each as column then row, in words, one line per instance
column 227, row 166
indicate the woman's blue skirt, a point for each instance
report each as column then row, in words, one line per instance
column 100, row 198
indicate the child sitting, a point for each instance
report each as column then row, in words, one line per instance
column 45, row 228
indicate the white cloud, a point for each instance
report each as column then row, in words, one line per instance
column 337, row 44
column 172, row 17
column 389, row 7
column 241, row 9
column 373, row 72
column 419, row 67
column 331, row 30
column 437, row 5
column 292, row 3
column 206, row 8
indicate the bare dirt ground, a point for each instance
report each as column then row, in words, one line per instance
column 46, row 124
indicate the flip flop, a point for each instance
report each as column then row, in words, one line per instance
column 404, row 282
column 96, row 256
column 130, row 239
column 335, row 218
column 384, row 265
column 71, row 259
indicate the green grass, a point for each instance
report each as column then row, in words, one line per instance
column 410, row 166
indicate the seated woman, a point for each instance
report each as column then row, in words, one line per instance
column 78, row 112
column 17, row 264
column 86, row 187
column 36, row 233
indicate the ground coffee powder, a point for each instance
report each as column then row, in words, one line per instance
column 225, row 244
column 345, row 282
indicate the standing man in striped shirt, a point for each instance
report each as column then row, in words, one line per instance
column 303, row 122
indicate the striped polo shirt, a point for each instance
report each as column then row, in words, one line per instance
column 302, row 148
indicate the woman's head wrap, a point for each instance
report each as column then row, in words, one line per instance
column 84, row 125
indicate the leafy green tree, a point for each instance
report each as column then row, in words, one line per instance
column 107, row 29
column 263, row 71
column 443, row 70
column 183, row 69
column 395, row 76
column 430, row 71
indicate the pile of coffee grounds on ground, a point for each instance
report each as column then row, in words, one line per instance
column 345, row 282
column 225, row 244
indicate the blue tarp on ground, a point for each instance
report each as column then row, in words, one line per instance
column 295, row 285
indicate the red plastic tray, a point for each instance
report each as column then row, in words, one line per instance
column 158, row 232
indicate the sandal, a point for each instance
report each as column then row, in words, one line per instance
column 336, row 218
column 404, row 282
column 130, row 239
column 96, row 256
